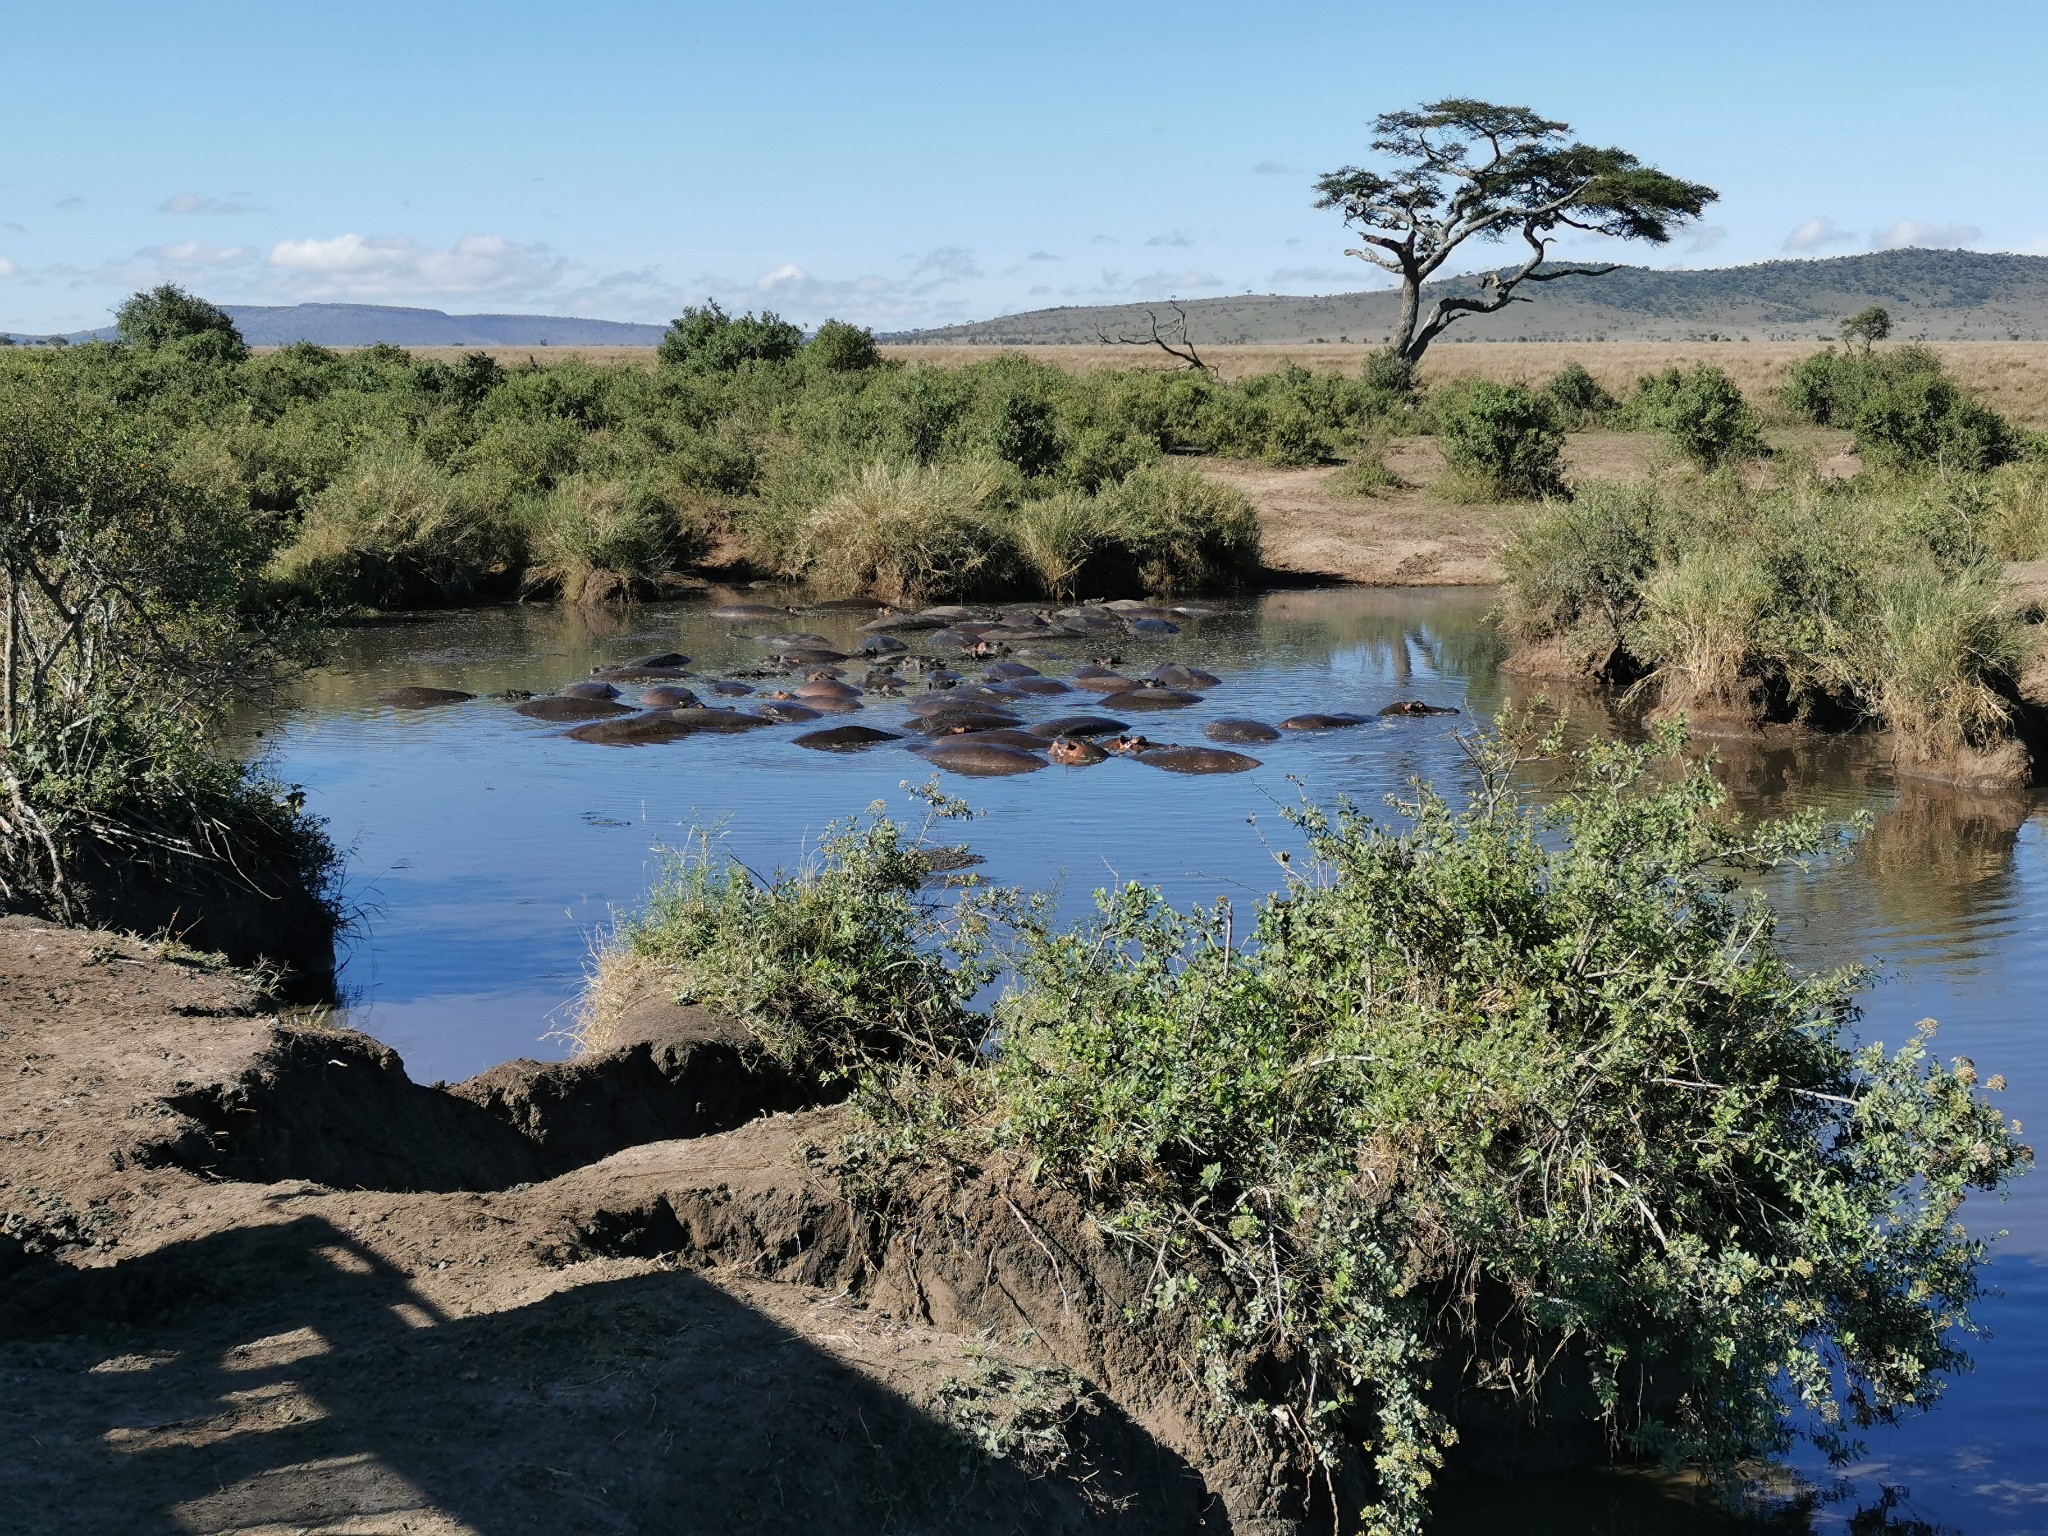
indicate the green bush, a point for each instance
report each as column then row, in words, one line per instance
column 1925, row 419
column 1579, row 399
column 396, row 530
column 1498, row 1104
column 1703, row 410
column 594, row 539
column 1184, row 531
column 842, row 348
column 168, row 316
column 709, row 340
column 1503, row 436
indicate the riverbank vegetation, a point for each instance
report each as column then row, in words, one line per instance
column 1495, row 1114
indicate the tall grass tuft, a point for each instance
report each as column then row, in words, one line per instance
column 396, row 529
column 911, row 534
column 595, row 540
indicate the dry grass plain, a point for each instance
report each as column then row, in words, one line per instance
column 2009, row 376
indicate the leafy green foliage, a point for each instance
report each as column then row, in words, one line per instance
column 1493, row 1102
column 1703, row 410
column 1580, row 400
column 842, row 348
column 1868, row 326
column 168, row 316
column 1817, row 599
column 711, row 341
column 1905, row 410
column 134, row 620
column 1505, row 436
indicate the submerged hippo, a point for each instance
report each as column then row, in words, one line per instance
column 1407, row 709
column 661, row 659
column 668, row 696
column 421, row 698
column 901, row 621
column 703, row 719
column 1037, row 687
column 1002, row 736
column 1151, row 698
column 1196, row 760
column 1152, row 627
column 1078, row 725
column 1009, row 671
column 845, row 738
column 981, row 759
column 1233, row 729
column 881, row 645
column 787, row 711
column 748, row 613
column 590, row 688
column 1074, row 751
column 826, row 688
column 947, row 722
column 796, row 640
column 1102, row 682
column 559, row 709
column 812, row 656
column 1320, row 722
column 657, row 725
column 729, row 688
column 1174, row 675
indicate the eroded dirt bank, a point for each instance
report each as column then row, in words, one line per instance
column 253, row 1279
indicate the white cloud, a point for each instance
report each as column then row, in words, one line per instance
column 372, row 268
column 1038, row 288
column 1269, row 168
column 1706, row 237
column 1102, row 239
column 1356, row 275
column 196, row 253
column 948, row 262
column 1909, row 232
column 1174, row 237
column 193, row 202
column 1044, row 256
column 1815, row 234
column 7, row 268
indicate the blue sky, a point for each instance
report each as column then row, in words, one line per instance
column 913, row 164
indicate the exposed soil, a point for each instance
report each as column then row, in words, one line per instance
column 254, row 1279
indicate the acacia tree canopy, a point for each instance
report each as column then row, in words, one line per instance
column 1460, row 170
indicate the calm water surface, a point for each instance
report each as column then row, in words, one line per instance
column 485, row 850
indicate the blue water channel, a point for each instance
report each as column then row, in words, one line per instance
column 486, row 851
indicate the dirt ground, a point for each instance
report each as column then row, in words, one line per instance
column 692, row 1334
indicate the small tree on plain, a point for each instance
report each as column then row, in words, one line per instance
column 1465, row 170
column 166, row 315
column 1869, row 326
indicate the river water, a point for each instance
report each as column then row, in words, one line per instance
column 486, row 850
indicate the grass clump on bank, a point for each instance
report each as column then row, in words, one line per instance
column 1826, row 603
column 1491, row 1105
column 135, row 618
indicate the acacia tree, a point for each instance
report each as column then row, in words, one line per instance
column 1469, row 170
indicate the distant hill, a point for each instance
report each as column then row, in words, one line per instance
column 1932, row 295
column 361, row 325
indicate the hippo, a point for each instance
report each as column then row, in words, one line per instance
column 1151, row 698
column 881, row 645
column 592, row 688
column 1074, row 751
column 668, row 696
column 812, row 657
column 421, row 698
column 1002, row 736
column 748, row 613
column 661, row 659
column 1175, row 675
column 901, row 621
column 1009, row 671
column 559, row 709
column 845, row 738
column 952, row 642
column 657, row 725
column 946, row 613
column 879, row 681
column 945, row 722
column 797, row 640
column 970, row 697
column 1321, row 722
column 1152, row 627
column 1409, row 709
column 826, row 688
column 703, row 719
column 1102, row 682
column 1239, row 730
column 729, row 688
column 1197, row 760
column 833, row 706
column 1078, row 725
column 981, row 759
column 787, row 711
column 1129, row 745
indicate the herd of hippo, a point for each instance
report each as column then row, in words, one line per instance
column 965, row 725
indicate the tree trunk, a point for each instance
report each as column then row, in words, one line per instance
column 1411, row 310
